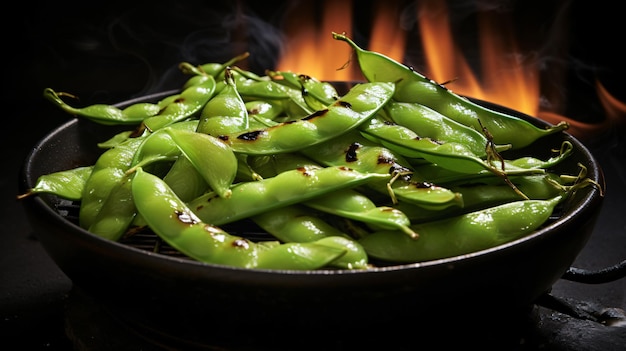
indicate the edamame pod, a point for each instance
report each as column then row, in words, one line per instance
column 176, row 224
column 353, row 109
column 213, row 159
column 68, row 184
column 287, row 188
column 103, row 113
column 461, row 234
column 413, row 87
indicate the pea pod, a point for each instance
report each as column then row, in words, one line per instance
column 351, row 204
column 353, row 109
column 359, row 153
column 215, row 69
column 296, row 223
column 481, row 193
column 428, row 123
column 176, row 224
column 103, row 113
column 317, row 94
column 287, row 188
column 67, row 184
column 449, row 155
column 213, row 159
column 108, row 171
column 159, row 144
column 461, row 234
column 185, row 180
column 190, row 102
column 116, row 213
column 226, row 112
column 414, row 87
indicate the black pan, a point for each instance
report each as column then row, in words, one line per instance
column 166, row 291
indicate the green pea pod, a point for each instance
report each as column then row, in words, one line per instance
column 352, row 110
column 318, row 95
column 450, row 155
column 461, row 234
column 487, row 192
column 428, row 123
column 287, row 188
column 271, row 165
column 159, row 144
column 103, row 113
column 265, row 109
column 297, row 223
column 226, row 112
column 264, row 89
column 108, row 171
column 413, row 87
column 185, row 180
column 191, row 101
column 116, row 139
column 353, row 205
column 67, row 184
column 213, row 159
column 359, row 153
column 171, row 219
column 215, row 69
column 116, row 213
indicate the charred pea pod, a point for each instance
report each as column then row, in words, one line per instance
column 318, row 95
column 171, row 219
column 487, row 192
column 404, row 141
column 226, row 112
column 462, row 234
column 287, row 188
column 108, row 171
column 352, row 110
column 271, row 165
column 213, row 159
column 103, row 113
column 353, row 205
column 357, row 152
column 526, row 165
column 215, row 69
column 201, row 73
column 414, row 87
column 67, row 184
column 429, row 123
column 296, row 223
column 189, row 103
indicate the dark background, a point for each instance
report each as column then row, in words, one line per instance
column 106, row 52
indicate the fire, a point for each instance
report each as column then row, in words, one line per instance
column 508, row 76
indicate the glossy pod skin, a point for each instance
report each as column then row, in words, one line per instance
column 462, row 234
column 173, row 221
column 287, row 188
column 347, row 113
column 413, row 87
column 184, row 292
column 103, row 113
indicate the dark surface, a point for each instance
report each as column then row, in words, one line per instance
column 85, row 50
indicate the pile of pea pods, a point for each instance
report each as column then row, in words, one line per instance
column 398, row 169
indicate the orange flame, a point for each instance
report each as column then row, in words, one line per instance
column 508, row 77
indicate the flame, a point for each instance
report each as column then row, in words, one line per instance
column 508, row 77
